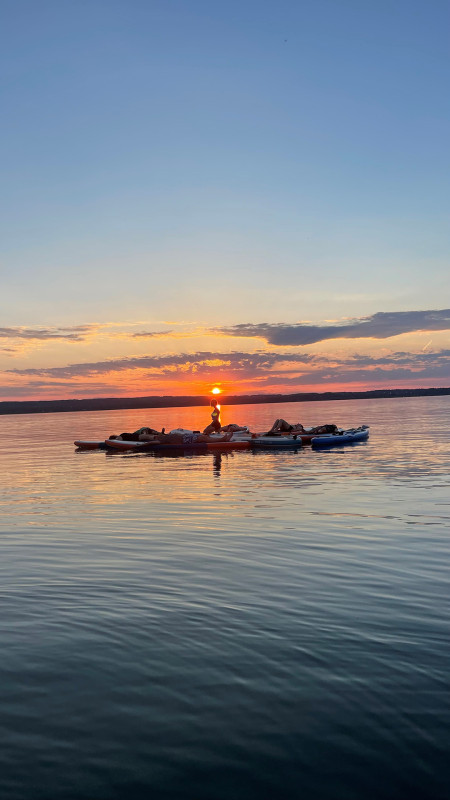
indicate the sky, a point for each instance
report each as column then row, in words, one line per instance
column 253, row 195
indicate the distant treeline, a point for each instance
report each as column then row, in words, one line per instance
column 110, row 403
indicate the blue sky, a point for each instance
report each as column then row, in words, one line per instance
column 184, row 166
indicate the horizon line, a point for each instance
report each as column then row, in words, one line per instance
column 180, row 401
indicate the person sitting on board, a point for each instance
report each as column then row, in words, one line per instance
column 215, row 425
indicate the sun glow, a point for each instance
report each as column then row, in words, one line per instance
column 216, row 390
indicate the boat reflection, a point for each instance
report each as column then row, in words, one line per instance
column 191, row 454
column 217, row 463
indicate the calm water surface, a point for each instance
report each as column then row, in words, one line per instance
column 245, row 625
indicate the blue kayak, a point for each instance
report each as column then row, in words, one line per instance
column 342, row 437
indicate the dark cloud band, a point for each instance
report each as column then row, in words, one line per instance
column 382, row 325
column 75, row 334
column 193, row 362
column 265, row 367
column 151, row 334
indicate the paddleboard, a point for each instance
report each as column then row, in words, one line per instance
column 118, row 444
column 343, row 437
column 90, row 444
column 276, row 441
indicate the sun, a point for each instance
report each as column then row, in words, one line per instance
column 216, row 390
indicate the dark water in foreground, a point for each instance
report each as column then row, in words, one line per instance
column 255, row 625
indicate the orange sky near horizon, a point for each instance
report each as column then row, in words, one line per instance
column 117, row 361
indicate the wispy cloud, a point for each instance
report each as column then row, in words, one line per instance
column 76, row 333
column 382, row 325
column 151, row 334
column 185, row 332
column 165, row 364
column 28, row 336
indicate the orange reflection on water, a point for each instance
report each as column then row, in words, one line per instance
column 46, row 478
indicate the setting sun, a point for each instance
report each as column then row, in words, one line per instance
column 216, row 390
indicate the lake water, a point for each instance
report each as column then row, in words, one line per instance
column 240, row 626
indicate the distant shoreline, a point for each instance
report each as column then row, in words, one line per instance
column 117, row 403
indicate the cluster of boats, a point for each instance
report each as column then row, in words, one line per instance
column 242, row 439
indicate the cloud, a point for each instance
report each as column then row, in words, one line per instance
column 151, row 334
column 241, row 362
column 76, row 333
column 260, row 368
column 32, row 389
column 190, row 332
column 379, row 326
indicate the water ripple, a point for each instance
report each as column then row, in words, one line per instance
column 257, row 625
